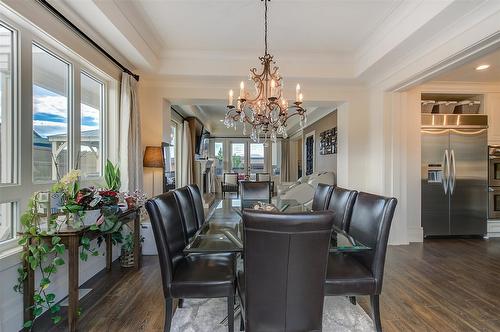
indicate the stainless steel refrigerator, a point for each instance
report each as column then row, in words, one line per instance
column 454, row 174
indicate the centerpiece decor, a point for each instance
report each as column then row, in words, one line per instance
column 268, row 111
column 88, row 208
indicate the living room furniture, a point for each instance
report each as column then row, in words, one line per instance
column 362, row 273
column 230, row 184
column 321, row 197
column 71, row 238
column 342, row 202
column 254, row 191
column 303, row 189
column 282, row 286
column 187, row 276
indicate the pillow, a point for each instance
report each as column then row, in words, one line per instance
column 231, row 179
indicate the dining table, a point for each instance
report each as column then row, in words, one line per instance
column 223, row 231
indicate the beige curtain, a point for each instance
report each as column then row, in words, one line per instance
column 130, row 136
column 285, row 160
column 187, row 156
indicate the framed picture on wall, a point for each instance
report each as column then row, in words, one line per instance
column 328, row 141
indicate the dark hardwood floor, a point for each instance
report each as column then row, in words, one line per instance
column 440, row 285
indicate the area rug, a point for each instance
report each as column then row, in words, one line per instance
column 205, row 315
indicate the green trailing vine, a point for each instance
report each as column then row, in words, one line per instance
column 42, row 256
column 44, row 251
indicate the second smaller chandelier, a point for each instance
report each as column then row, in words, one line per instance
column 267, row 112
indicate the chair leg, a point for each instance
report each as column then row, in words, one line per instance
column 374, row 299
column 230, row 313
column 352, row 299
column 180, row 303
column 168, row 314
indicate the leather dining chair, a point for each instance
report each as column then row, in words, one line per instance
column 341, row 203
column 230, row 184
column 189, row 214
column 198, row 203
column 253, row 192
column 282, row 286
column 321, row 197
column 362, row 273
column 187, row 276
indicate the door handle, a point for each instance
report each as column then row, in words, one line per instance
column 446, row 171
column 454, row 171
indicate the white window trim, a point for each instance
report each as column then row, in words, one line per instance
column 27, row 34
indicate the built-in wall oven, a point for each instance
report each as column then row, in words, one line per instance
column 494, row 182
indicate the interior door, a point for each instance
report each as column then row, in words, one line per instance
column 469, row 181
column 434, row 177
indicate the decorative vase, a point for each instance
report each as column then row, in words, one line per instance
column 127, row 257
column 87, row 218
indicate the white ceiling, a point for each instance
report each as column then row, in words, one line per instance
column 468, row 72
column 237, row 25
column 311, row 39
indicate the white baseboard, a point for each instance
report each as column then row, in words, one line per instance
column 493, row 228
column 415, row 234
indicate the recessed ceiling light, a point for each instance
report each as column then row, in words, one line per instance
column 221, row 120
column 482, row 67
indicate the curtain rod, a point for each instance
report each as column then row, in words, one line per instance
column 179, row 114
column 83, row 35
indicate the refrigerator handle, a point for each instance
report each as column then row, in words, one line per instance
column 453, row 172
column 446, row 171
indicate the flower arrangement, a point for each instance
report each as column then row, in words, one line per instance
column 78, row 203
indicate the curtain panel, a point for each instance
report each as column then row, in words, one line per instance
column 187, row 156
column 285, row 160
column 130, row 135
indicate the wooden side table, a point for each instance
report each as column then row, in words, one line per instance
column 71, row 238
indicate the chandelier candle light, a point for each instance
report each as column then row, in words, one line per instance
column 268, row 111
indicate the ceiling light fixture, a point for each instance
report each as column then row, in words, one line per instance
column 482, row 67
column 268, row 111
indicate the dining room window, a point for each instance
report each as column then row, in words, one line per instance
column 91, row 115
column 51, row 106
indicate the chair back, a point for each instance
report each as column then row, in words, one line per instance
column 254, row 191
column 370, row 224
column 263, row 177
column 165, row 215
column 321, row 197
column 341, row 203
column 285, row 267
column 189, row 219
column 198, row 203
column 231, row 178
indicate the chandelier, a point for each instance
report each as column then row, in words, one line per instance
column 264, row 115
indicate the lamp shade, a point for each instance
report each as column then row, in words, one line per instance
column 153, row 157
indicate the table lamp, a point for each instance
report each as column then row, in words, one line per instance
column 153, row 158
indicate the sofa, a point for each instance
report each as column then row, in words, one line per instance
column 303, row 189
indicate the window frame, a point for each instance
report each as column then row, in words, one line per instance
column 70, row 132
column 25, row 35
column 103, row 134
column 6, row 188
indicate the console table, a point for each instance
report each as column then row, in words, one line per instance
column 71, row 238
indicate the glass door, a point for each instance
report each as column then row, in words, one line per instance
column 238, row 159
column 257, row 160
column 248, row 159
